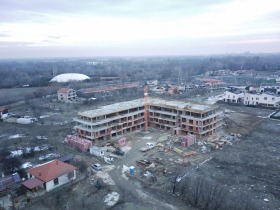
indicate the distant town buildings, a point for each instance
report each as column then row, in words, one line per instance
column 212, row 84
column 224, row 72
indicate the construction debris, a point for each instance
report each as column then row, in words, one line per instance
column 143, row 163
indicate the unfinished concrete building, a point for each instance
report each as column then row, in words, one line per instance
column 66, row 95
column 110, row 121
column 178, row 117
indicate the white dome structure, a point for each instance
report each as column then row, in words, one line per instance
column 68, row 77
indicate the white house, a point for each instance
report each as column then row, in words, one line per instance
column 270, row 88
column 265, row 99
column 256, row 89
column 152, row 82
column 49, row 175
column 3, row 112
column 233, row 96
column 66, row 95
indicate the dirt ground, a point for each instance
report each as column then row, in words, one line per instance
column 249, row 165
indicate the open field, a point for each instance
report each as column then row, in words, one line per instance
column 12, row 95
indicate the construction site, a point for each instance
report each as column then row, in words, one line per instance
column 178, row 117
column 143, row 145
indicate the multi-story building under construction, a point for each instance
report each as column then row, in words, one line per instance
column 178, row 117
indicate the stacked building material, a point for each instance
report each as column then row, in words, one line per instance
column 188, row 154
column 188, row 140
column 79, row 143
column 122, row 142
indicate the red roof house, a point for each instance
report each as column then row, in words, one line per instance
column 50, row 175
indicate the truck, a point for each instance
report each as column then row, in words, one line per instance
column 149, row 146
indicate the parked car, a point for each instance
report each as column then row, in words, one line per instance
column 118, row 152
column 42, row 158
column 97, row 167
column 26, row 166
column 149, row 146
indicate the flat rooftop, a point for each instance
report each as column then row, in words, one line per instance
column 112, row 108
column 183, row 105
column 173, row 104
column 265, row 93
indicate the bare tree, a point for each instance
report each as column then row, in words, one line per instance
column 212, row 195
column 176, row 178
column 10, row 165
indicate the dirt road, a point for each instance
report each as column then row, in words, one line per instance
column 134, row 193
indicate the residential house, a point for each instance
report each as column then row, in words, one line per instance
column 233, row 96
column 50, row 175
column 270, row 88
column 213, row 84
column 3, row 112
column 9, row 183
column 66, row 95
column 255, row 89
column 265, row 99
column 152, row 82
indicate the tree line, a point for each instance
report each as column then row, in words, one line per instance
column 38, row 72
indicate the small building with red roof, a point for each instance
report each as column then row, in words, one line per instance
column 3, row 112
column 66, row 95
column 50, row 175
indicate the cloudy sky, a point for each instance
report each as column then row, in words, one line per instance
column 59, row 28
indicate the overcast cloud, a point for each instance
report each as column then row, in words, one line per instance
column 44, row 28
